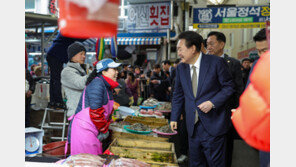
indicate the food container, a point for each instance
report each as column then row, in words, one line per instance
column 166, row 135
column 123, row 135
column 154, row 153
column 126, row 127
column 125, row 111
column 56, row 149
column 150, row 121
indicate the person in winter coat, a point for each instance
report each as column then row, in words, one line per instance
column 254, row 108
column 56, row 57
column 89, row 126
column 74, row 75
column 252, row 118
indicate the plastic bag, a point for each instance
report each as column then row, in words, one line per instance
column 140, row 99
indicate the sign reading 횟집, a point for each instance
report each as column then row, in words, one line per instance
column 148, row 17
column 231, row 17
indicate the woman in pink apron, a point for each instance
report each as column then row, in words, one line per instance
column 89, row 126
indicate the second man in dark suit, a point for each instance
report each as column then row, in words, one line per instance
column 215, row 46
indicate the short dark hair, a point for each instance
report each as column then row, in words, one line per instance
column 205, row 43
column 156, row 66
column 246, row 59
column 148, row 73
column 124, row 65
column 191, row 38
column 219, row 35
column 260, row 35
column 166, row 62
column 132, row 75
column 177, row 61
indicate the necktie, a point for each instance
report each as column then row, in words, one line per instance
column 194, row 88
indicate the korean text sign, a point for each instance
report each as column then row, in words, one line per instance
column 230, row 17
column 150, row 17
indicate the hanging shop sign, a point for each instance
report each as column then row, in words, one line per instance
column 231, row 17
column 152, row 17
column 52, row 7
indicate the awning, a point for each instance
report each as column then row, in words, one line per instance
column 33, row 20
column 136, row 41
column 127, row 41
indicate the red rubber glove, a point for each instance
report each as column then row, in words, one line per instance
column 98, row 118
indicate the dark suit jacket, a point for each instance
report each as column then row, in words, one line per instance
column 172, row 75
column 236, row 73
column 255, row 62
column 159, row 90
column 214, row 84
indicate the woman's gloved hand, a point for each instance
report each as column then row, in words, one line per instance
column 103, row 136
column 98, row 118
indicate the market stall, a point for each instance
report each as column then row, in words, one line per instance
column 137, row 135
column 142, row 132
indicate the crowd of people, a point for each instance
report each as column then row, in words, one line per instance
column 204, row 84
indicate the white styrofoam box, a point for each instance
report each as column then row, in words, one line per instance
column 38, row 133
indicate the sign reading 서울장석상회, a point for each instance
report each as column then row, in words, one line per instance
column 231, row 17
column 148, row 17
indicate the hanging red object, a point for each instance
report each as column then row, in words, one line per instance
column 252, row 118
column 88, row 18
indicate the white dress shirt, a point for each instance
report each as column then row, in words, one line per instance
column 197, row 65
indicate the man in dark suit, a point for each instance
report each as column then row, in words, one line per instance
column 215, row 46
column 171, row 73
column 158, row 84
column 204, row 84
column 166, row 66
